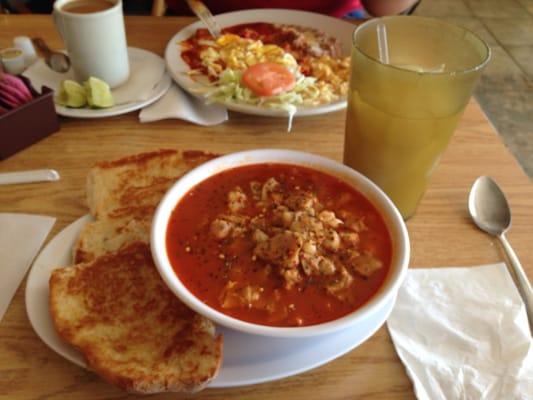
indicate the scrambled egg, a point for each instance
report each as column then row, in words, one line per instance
column 237, row 53
column 332, row 71
column 234, row 52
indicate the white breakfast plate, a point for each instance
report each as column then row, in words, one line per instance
column 248, row 359
column 334, row 27
column 43, row 76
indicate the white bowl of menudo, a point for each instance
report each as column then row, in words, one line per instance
column 280, row 243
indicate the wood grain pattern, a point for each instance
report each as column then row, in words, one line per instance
column 441, row 232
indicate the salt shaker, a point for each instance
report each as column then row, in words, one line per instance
column 25, row 45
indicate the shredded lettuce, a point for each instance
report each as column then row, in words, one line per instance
column 229, row 89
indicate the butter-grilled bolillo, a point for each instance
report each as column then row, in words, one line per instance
column 131, row 329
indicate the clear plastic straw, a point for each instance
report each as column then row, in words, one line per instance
column 383, row 46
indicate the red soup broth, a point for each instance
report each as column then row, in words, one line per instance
column 205, row 264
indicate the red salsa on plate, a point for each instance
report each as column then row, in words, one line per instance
column 305, row 44
column 279, row 245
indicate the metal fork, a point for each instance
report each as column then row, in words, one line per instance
column 202, row 12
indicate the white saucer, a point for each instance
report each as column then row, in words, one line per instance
column 157, row 93
column 40, row 75
column 248, row 359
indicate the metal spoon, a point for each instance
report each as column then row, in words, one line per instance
column 490, row 212
column 56, row 60
column 202, row 12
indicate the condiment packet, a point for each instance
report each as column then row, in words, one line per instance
column 21, row 237
column 179, row 105
column 41, row 75
column 463, row 333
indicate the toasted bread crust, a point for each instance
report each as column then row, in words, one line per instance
column 107, row 236
column 123, row 195
column 131, row 328
column 135, row 184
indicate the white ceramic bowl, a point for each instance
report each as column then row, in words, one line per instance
column 391, row 216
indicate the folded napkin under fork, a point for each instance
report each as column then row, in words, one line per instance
column 176, row 104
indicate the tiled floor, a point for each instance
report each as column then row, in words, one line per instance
column 505, row 90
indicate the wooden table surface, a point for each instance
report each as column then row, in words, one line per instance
column 441, row 232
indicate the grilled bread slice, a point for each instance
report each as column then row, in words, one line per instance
column 131, row 187
column 130, row 327
column 123, row 194
column 108, row 235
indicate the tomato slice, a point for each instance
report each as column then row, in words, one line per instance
column 268, row 79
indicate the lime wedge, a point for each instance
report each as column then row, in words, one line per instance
column 98, row 93
column 71, row 94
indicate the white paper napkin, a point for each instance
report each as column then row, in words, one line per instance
column 146, row 70
column 21, row 237
column 179, row 105
column 462, row 333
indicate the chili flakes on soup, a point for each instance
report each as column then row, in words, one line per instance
column 279, row 245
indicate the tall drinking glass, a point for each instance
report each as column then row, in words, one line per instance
column 408, row 90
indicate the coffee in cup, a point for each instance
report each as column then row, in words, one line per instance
column 95, row 38
column 86, row 6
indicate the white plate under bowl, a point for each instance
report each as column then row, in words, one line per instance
column 248, row 359
column 157, row 92
column 334, row 27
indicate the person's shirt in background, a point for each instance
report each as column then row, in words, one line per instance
column 335, row 8
column 338, row 8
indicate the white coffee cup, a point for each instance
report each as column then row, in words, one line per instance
column 96, row 42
